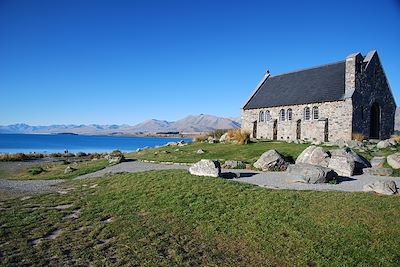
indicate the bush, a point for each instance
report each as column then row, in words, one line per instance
column 20, row 156
column 396, row 138
column 200, row 138
column 358, row 137
column 218, row 133
column 35, row 170
column 117, row 154
column 240, row 137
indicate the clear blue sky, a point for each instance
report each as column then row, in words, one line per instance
column 114, row 62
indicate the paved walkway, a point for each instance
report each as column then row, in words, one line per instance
column 273, row 180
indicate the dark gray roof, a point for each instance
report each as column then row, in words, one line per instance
column 319, row 84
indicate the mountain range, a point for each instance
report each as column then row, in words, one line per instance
column 190, row 124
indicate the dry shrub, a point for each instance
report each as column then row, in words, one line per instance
column 20, row 156
column 200, row 138
column 218, row 133
column 396, row 138
column 239, row 137
column 358, row 137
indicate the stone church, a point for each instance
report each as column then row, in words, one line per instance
column 324, row 103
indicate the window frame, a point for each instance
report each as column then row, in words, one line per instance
column 307, row 112
column 267, row 116
column 289, row 114
column 282, row 115
column 315, row 110
column 261, row 116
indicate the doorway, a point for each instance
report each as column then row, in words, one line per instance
column 375, row 121
column 326, row 131
column 275, row 130
column 298, row 130
column 254, row 129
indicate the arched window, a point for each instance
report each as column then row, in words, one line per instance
column 306, row 113
column 261, row 117
column 268, row 116
column 289, row 114
column 315, row 113
column 282, row 115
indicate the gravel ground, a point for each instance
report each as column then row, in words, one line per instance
column 272, row 180
column 280, row 180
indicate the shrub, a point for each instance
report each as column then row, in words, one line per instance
column 218, row 133
column 358, row 137
column 35, row 170
column 117, row 154
column 20, row 156
column 200, row 138
column 396, row 138
column 240, row 137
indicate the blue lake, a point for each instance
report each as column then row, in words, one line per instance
column 41, row 143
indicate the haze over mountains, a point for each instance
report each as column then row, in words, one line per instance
column 189, row 124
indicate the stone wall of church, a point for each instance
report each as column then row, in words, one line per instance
column 371, row 86
column 338, row 114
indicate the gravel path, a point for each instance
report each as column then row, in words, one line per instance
column 280, row 180
column 272, row 180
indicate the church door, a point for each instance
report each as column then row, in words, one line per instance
column 375, row 121
column 298, row 130
column 326, row 131
column 275, row 130
column 255, row 129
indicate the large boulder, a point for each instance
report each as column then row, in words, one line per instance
column 314, row 155
column 115, row 160
column 378, row 171
column 378, row 162
column 224, row 138
column 271, row 161
column 206, row 167
column 311, row 174
column 381, row 187
column 346, row 162
column 394, row 160
column 69, row 169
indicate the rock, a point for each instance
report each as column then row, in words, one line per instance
column 378, row 171
column 212, row 141
column 233, row 164
column 115, row 160
column 392, row 141
column 344, row 167
column 206, row 167
column 171, row 144
column 394, row 160
column 381, row 187
column 316, row 143
column 371, row 147
column 354, row 144
column 271, row 161
column 248, row 166
column 314, row 155
column 383, row 144
column 200, row 151
column 69, row 169
column 340, row 143
column 224, row 138
column 311, row 174
column 378, row 162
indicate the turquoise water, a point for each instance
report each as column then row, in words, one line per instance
column 41, row 143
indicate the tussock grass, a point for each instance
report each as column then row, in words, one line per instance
column 358, row 137
column 170, row 218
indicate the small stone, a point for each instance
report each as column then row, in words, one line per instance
column 233, row 164
column 69, row 169
column 378, row 162
column 383, row 144
column 200, row 151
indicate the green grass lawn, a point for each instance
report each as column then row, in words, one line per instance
column 170, row 218
column 247, row 153
column 55, row 170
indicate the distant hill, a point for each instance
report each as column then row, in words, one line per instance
column 189, row 124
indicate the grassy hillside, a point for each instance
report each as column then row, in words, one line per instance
column 170, row 218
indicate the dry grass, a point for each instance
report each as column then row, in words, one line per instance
column 358, row 137
column 20, row 156
column 238, row 136
column 200, row 138
column 396, row 138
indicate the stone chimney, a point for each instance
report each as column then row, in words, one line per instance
column 353, row 67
